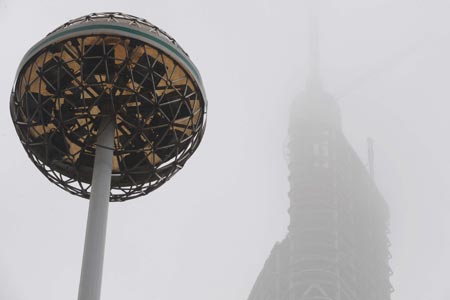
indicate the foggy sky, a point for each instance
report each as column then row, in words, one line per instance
column 206, row 233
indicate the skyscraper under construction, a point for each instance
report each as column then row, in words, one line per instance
column 337, row 245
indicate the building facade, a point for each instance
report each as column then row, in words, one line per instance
column 337, row 245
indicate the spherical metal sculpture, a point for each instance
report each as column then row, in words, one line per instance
column 117, row 67
column 108, row 107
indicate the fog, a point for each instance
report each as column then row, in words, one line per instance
column 207, row 232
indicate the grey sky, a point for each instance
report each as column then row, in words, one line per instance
column 387, row 62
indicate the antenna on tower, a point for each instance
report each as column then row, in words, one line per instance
column 314, row 53
column 371, row 157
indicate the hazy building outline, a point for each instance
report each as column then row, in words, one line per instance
column 337, row 245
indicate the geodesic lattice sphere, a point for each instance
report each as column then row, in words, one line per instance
column 117, row 66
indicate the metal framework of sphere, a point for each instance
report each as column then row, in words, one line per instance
column 117, row 66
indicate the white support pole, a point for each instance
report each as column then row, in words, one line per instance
column 94, row 246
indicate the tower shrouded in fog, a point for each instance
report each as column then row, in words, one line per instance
column 337, row 246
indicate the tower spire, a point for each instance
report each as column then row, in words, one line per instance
column 313, row 79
